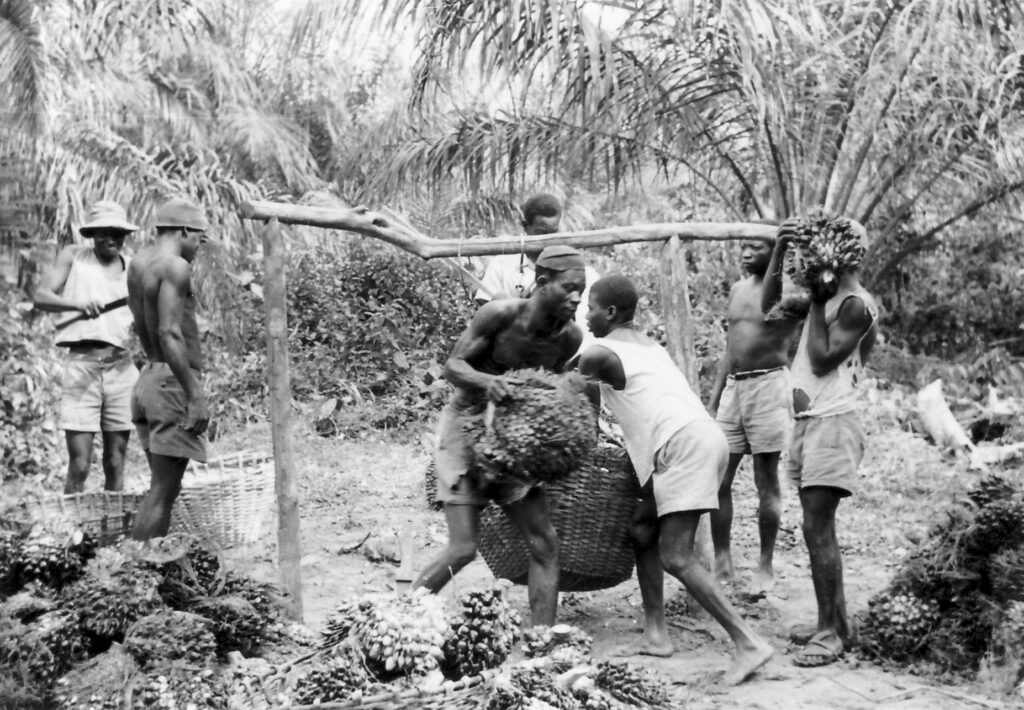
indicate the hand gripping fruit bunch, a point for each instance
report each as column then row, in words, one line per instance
column 565, row 645
column 483, row 635
column 542, row 432
column 823, row 249
column 397, row 635
column 896, row 625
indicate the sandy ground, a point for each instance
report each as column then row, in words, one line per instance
column 368, row 489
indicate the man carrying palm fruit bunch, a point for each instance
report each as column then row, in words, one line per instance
column 828, row 442
column 504, row 335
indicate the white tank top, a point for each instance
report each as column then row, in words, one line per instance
column 836, row 392
column 88, row 281
column 656, row 402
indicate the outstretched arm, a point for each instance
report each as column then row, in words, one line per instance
column 828, row 347
column 174, row 289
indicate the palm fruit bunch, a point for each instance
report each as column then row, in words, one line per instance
column 196, row 573
column 180, row 689
column 98, row 683
column 10, row 553
column 529, row 688
column 998, row 525
column 261, row 596
column 630, row 685
column 897, row 625
column 1005, row 571
column 544, row 431
column 112, row 599
column 824, row 248
column 169, row 636
column 396, row 634
column 237, row 625
column 483, row 635
column 46, row 648
column 990, row 489
column 1008, row 635
column 564, row 645
column 54, row 553
column 28, row 604
column 335, row 680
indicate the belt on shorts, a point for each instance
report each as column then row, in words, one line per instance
column 116, row 356
column 750, row 374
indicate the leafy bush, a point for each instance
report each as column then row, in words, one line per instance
column 29, row 368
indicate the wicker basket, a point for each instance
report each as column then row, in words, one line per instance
column 228, row 500
column 592, row 511
column 106, row 515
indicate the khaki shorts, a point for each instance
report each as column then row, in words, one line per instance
column 158, row 405
column 756, row 413
column 457, row 474
column 96, row 393
column 826, row 451
column 689, row 468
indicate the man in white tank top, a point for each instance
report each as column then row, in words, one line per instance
column 828, row 442
column 679, row 454
column 91, row 281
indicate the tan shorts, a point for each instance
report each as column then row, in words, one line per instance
column 457, row 475
column 689, row 468
column 826, row 451
column 756, row 413
column 158, row 405
column 96, row 393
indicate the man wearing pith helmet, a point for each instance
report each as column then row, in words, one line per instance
column 168, row 405
column 90, row 281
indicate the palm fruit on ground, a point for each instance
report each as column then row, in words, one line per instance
column 564, row 645
column 1007, row 644
column 178, row 688
column 897, row 625
column 998, row 525
column 195, row 574
column 108, row 602
column 335, row 680
column 991, row 488
column 483, row 635
column 54, row 553
column 237, row 625
column 1006, row 575
column 30, row 603
column 98, row 683
column 527, row 688
column 45, row 648
column 263, row 597
column 397, row 635
column 169, row 636
column 10, row 553
column 962, row 635
column 630, row 685
column 544, row 431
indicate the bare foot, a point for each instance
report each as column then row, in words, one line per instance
column 724, row 571
column 746, row 662
column 763, row 582
column 645, row 647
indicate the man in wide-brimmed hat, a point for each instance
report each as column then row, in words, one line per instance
column 168, row 404
column 91, row 281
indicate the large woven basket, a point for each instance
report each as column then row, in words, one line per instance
column 592, row 511
column 228, row 500
column 106, row 515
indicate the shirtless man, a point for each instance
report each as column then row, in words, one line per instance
column 168, row 403
column 828, row 441
column 504, row 335
column 751, row 402
column 679, row 455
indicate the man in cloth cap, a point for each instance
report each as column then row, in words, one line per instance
column 168, row 404
column 505, row 335
column 514, row 275
column 91, row 280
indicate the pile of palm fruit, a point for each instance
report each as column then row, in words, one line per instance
column 134, row 626
column 957, row 599
column 542, row 432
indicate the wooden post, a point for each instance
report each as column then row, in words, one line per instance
column 675, row 308
column 289, row 551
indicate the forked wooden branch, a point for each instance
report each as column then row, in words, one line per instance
column 389, row 227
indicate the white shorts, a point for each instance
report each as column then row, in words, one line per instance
column 689, row 468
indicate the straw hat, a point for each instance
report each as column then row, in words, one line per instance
column 179, row 212
column 106, row 215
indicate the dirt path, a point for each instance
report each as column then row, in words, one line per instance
column 354, row 489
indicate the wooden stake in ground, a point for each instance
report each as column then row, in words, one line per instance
column 289, row 550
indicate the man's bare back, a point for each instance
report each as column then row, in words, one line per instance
column 155, row 274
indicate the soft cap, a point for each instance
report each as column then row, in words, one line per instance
column 179, row 212
column 106, row 215
column 560, row 258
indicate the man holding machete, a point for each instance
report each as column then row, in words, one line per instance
column 99, row 374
